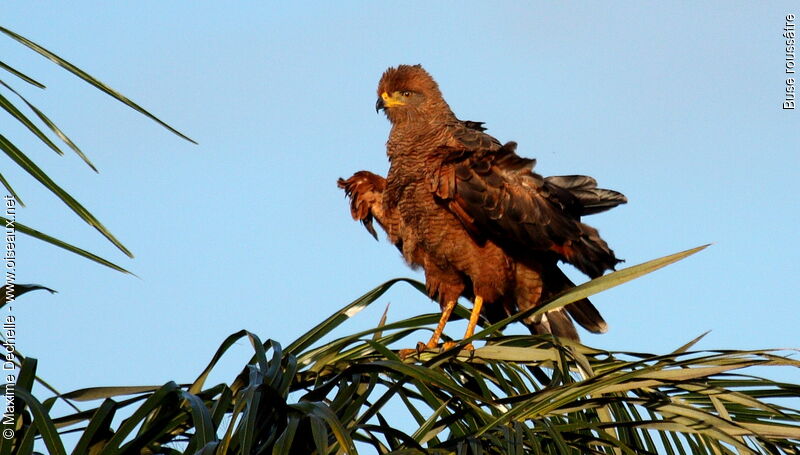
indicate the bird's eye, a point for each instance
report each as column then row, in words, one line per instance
column 406, row 93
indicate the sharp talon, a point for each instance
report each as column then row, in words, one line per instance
column 421, row 347
column 448, row 345
column 469, row 347
column 405, row 353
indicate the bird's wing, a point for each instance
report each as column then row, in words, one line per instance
column 592, row 199
column 474, row 125
column 496, row 195
column 470, row 136
column 365, row 191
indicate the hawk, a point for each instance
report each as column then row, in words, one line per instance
column 475, row 216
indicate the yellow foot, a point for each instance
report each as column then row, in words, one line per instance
column 421, row 347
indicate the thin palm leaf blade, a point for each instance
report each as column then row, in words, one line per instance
column 23, row 119
column 11, row 191
column 29, row 166
column 21, row 75
column 616, row 278
column 337, row 318
column 91, row 80
column 63, row 245
column 55, row 129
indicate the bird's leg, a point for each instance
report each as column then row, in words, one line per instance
column 446, row 311
column 473, row 321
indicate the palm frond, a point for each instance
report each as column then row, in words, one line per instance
column 515, row 395
column 52, row 126
column 24, row 229
column 91, row 80
column 38, row 125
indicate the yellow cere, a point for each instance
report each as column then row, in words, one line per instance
column 390, row 101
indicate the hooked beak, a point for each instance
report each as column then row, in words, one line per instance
column 387, row 101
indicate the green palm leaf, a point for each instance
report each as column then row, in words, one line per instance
column 22, row 76
column 19, row 227
column 27, row 164
column 91, row 80
column 16, row 154
column 515, row 395
column 46, row 120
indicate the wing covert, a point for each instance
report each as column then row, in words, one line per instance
column 497, row 196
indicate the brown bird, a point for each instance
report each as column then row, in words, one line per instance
column 474, row 215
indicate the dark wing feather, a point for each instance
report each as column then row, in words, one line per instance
column 582, row 311
column 474, row 125
column 592, row 199
column 556, row 322
column 470, row 136
column 517, row 208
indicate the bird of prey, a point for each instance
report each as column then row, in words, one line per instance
column 475, row 216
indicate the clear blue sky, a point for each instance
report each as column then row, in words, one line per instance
column 676, row 105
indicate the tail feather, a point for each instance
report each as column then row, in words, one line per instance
column 584, row 188
column 556, row 322
column 582, row 311
column 585, row 314
column 537, row 283
column 590, row 253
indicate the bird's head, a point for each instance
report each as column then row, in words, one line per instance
column 408, row 92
